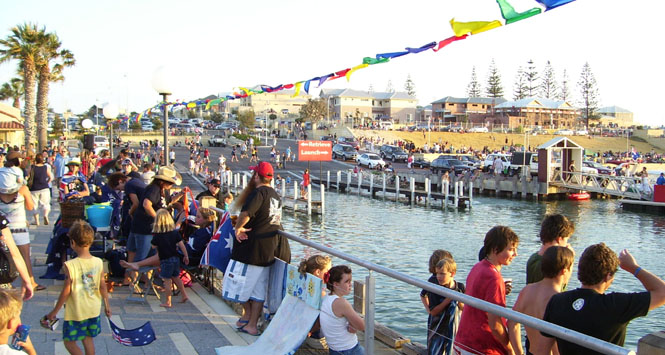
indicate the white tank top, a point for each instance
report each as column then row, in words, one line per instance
column 15, row 213
column 335, row 328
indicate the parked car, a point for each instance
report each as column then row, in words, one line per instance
column 564, row 132
column 450, row 165
column 421, row 163
column 582, row 132
column 348, row 140
column 217, row 141
column 393, row 153
column 344, row 152
column 489, row 160
column 603, row 170
column 478, row 130
column 371, row 160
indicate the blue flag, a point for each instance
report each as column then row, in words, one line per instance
column 218, row 251
column 140, row 336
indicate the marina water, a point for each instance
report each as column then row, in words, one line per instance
column 402, row 237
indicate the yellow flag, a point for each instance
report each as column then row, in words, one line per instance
column 191, row 104
column 462, row 28
column 298, row 86
column 361, row 66
column 246, row 91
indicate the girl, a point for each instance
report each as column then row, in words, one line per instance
column 39, row 182
column 166, row 239
column 339, row 322
column 317, row 265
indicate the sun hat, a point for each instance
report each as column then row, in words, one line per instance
column 75, row 161
column 14, row 154
column 169, row 175
column 8, row 184
column 264, row 169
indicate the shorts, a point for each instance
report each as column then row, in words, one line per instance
column 140, row 245
column 78, row 330
column 243, row 282
column 21, row 238
column 169, row 267
column 356, row 350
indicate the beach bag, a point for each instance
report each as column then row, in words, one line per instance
column 234, row 281
column 186, row 278
column 8, row 271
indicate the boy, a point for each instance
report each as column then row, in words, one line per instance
column 10, row 313
column 443, row 312
column 556, row 267
column 555, row 230
column 83, row 292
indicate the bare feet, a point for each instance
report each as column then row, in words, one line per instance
column 165, row 305
column 127, row 265
column 184, row 300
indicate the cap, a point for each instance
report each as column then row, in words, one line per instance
column 127, row 162
column 215, row 182
column 264, row 169
column 74, row 161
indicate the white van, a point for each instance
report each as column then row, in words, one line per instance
column 387, row 125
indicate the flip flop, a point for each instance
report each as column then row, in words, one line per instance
column 40, row 288
column 242, row 330
column 243, row 322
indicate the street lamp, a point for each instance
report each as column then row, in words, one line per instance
column 161, row 84
column 110, row 113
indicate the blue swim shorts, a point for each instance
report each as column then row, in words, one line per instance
column 77, row 330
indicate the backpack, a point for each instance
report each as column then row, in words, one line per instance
column 8, row 272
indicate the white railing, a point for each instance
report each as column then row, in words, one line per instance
column 621, row 186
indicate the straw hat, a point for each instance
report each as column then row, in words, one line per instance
column 74, row 161
column 169, row 175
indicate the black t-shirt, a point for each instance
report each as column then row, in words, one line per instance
column 133, row 186
column 166, row 244
column 264, row 208
column 603, row 316
column 142, row 222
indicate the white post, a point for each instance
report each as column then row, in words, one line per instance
column 360, row 181
column 461, row 188
column 413, row 190
column 446, row 190
column 323, row 200
column 396, row 188
column 456, row 194
column 348, row 181
column 371, row 185
column 295, row 196
column 427, row 190
column 244, row 181
column 470, row 193
column 283, row 183
column 309, row 199
column 328, row 184
column 339, row 177
column 384, row 184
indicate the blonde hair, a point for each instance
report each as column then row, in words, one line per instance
column 313, row 263
column 163, row 222
column 81, row 233
column 448, row 265
column 208, row 216
column 10, row 306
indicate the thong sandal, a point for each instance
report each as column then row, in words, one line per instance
column 242, row 330
column 40, row 288
column 242, row 322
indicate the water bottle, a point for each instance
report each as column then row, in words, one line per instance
column 20, row 335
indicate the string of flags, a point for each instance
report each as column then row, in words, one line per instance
column 461, row 30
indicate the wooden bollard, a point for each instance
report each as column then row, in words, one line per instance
column 295, row 196
column 309, row 199
column 396, row 188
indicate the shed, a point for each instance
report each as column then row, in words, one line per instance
column 557, row 153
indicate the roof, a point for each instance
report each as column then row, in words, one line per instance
column 613, row 109
column 471, row 100
column 11, row 126
column 378, row 95
column 560, row 142
column 535, row 102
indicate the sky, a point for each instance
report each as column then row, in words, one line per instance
column 213, row 47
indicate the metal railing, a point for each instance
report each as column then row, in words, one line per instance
column 549, row 328
column 621, row 186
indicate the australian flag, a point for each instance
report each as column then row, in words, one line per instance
column 140, row 336
column 218, row 251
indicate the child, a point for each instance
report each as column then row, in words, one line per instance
column 339, row 322
column 82, row 291
column 165, row 239
column 556, row 267
column 10, row 313
column 555, row 230
column 443, row 312
column 434, row 259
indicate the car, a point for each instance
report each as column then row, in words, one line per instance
column 348, row 140
column 101, row 141
column 327, row 138
column 582, row 132
column 603, row 170
column 344, row 152
column 489, row 160
column 393, row 153
column 564, row 132
column 443, row 164
column 147, row 128
column 371, row 160
column 217, row 141
column 478, row 130
column 421, row 163
column 527, row 159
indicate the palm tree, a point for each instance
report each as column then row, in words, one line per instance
column 50, row 54
column 21, row 45
column 12, row 90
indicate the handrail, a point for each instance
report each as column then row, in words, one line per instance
column 553, row 329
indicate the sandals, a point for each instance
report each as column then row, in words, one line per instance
column 39, row 288
column 242, row 322
column 242, row 330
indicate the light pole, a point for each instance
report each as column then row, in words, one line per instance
column 110, row 113
column 161, row 84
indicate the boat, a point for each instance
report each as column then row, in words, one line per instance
column 582, row 195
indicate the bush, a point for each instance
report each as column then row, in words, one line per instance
column 243, row 137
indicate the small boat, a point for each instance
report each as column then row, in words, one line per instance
column 582, row 195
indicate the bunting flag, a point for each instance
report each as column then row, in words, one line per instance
column 448, row 41
column 550, row 4
column 474, row 27
column 511, row 16
column 297, row 91
column 357, row 67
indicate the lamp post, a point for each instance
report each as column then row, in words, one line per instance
column 110, row 113
column 162, row 86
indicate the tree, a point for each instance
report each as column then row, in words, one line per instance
column 589, row 94
column 314, row 110
column 12, row 90
column 409, row 86
column 564, row 92
column 135, row 126
column 247, row 118
column 531, row 78
column 389, row 86
column 519, row 87
column 473, row 89
column 21, row 45
column 494, row 87
column 548, row 87
column 58, row 126
column 156, row 123
column 50, row 54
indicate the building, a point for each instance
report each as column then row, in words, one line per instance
column 615, row 115
column 363, row 107
column 282, row 103
column 424, row 113
column 536, row 112
column 467, row 109
column 11, row 128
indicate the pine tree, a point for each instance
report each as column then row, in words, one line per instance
column 494, row 87
column 548, row 87
column 589, row 94
column 531, row 76
column 389, row 86
column 564, row 92
column 473, row 89
column 409, row 86
column 520, row 86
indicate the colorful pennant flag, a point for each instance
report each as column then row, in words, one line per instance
column 511, row 16
column 474, row 27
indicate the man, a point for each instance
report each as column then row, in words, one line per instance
column 148, row 173
column 661, row 179
column 254, row 247
column 590, row 311
column 172, row 156
column 214, row 190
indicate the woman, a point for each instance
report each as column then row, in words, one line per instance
column 73, row 184
column 482, row 332
column 304, row 184
column 39, row 181
column 12, row 166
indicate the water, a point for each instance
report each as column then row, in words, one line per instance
column 402, row 238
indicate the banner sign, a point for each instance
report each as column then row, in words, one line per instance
column 314, row 150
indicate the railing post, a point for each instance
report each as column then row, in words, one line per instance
column 309, row 199
column 295, row 195
column 283, row 183
column 456, row 193
column 470, row 193
column 396, row 188
column 244, row 181
column 369, row 313
column 371, row 185
column 412, row 186
column 360, row 181
column 323, row 200
column 427, row 190
column 348, row 181
column 446, row 191
column 384, row 185
column 339, row 177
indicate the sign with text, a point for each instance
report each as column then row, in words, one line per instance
column 314, row 151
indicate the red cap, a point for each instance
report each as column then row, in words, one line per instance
column 264, row 169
